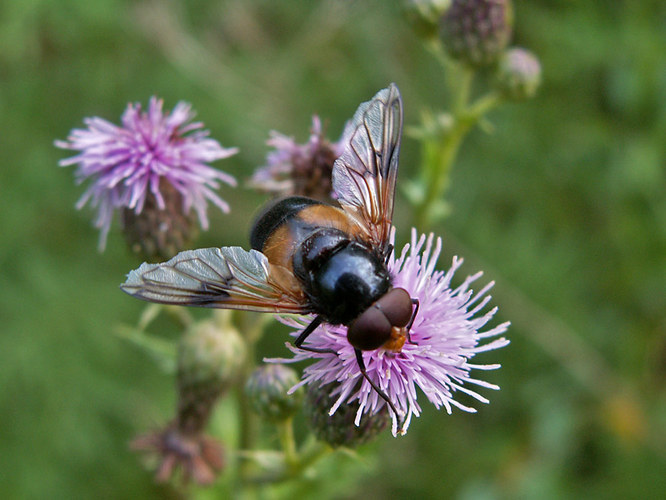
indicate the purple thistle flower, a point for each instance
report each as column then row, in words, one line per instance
column 299, row 169
column 445, row 335
column 126, row 164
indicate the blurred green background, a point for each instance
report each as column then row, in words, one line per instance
column 563, row 205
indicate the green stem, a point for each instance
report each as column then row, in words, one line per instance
column 251, row 331
column 440, row 152
column 463, row 85
column 435, row 47
column 247, row 419
column 482, row 106
column 439, row 158
column 288, row 443
column 308, row 457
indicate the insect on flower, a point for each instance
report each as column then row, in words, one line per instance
column 309, row 257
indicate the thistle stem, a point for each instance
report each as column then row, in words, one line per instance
column 287, row 441
column 463, row 86
column 306, row 458
column 440, row 152
column 252, row 327
column 439, row 157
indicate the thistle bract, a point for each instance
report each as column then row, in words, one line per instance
column 339, row 429
column 268, row 391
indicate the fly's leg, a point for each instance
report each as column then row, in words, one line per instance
column 416, row 303
column 382, row 394
column 306, row 333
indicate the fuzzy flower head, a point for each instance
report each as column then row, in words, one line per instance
column 446, row 334
column 126, row 164
column 299, row 169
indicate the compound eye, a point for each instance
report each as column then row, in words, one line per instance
column 370, row 330
column 397, row 306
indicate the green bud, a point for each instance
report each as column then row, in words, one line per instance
column 210, row 357
column 267, row 389
column 476, row 32
column 339, row 429
column 423, row 15
column 157, row 233
column 518, row 74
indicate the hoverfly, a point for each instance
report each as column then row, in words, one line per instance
column 310, row 257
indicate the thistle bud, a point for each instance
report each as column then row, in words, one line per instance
column 339, row 429
column 210, row 357
column 424, row 15
column 476, row 32
column 518, row 74
column 157, row 233
column 267, row 389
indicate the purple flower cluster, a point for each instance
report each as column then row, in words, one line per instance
column 446, row 335
column 127, row 167
column 126, row 163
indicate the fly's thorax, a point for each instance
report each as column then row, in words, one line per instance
column 284, row 226
column 316, row 250
column 345, row 283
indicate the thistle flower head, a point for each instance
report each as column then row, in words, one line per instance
column 339, row 429
column 299, row 169
column 199, row 457
column 126, row 164
column 267, row 389
column 476, row 32
column 518, row 74
column 445, row 336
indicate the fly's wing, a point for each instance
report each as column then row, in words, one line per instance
column 364, row 176
column 227, row 278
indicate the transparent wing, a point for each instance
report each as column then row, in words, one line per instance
column 364, row 176
column 227, row 278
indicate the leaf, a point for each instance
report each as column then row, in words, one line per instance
column 162, row 351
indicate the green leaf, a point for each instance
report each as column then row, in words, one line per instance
column 162, row 351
